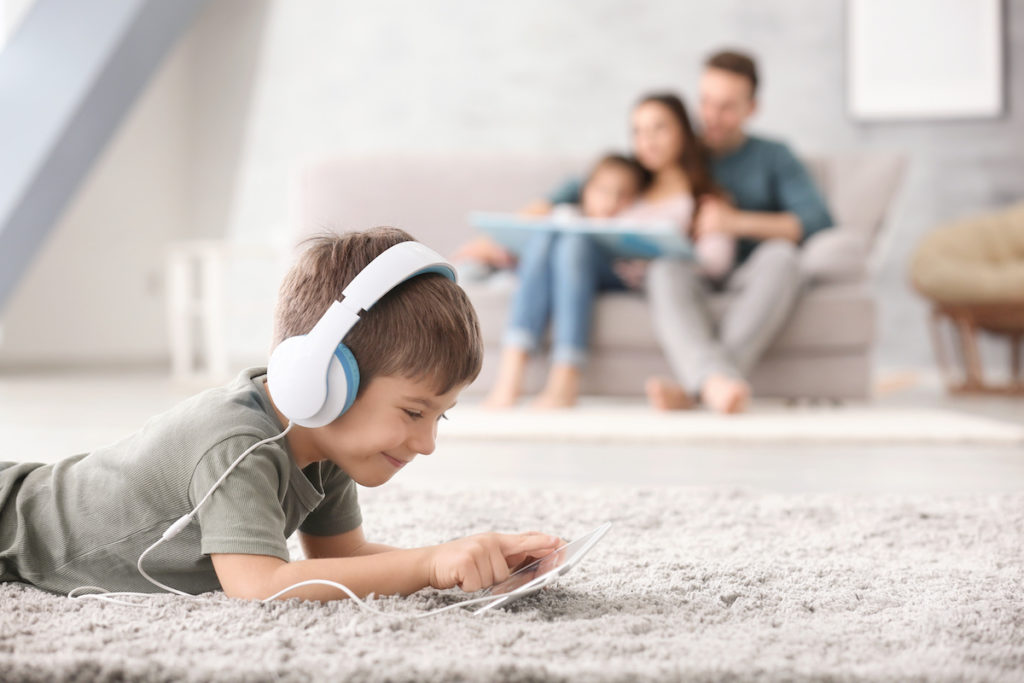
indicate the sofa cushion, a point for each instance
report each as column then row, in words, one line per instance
column 429, row 196
column 827, row 317
column 834, row 255
column 859, row 188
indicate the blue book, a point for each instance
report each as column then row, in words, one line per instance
column 623, row 238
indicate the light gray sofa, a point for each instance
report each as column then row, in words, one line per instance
column 824, row 351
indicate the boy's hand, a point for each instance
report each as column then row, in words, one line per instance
column 483, row 560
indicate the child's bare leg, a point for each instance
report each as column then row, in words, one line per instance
column 562, row 388
column 664, row 394
column 724, row 394
column 509, row 384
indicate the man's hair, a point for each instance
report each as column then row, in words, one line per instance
column 423, row 329
column 735, row 62
column 628, row 163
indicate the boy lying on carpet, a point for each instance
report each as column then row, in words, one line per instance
column 86, row 521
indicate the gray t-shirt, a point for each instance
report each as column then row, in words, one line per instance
column 86, row 519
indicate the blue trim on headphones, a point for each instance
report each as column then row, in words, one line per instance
column 351, row 370
column 447, row 271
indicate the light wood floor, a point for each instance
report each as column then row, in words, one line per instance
column 45, row 417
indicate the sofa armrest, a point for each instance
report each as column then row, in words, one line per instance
column 838, row 254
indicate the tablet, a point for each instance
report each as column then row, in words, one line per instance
column 624, row 238
column 543, row 572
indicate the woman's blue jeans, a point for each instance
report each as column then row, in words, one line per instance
column 560, row 275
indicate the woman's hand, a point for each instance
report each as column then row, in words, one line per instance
column 632, row 272
column 483, row 560
column 540, row 207
column 714, row 214
column 484, row 250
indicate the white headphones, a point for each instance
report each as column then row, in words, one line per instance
column 313, row 378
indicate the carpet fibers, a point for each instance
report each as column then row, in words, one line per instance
column 690, row 585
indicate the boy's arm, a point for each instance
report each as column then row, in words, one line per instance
column 471, row 563
column 256, row 577
column 349, row 544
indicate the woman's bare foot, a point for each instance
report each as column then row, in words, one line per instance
column 561, row 391
column 724, row 394
column 510, row 380
column 664, row 394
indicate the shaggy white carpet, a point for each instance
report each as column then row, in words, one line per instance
column 690, row 585
column 766, row 423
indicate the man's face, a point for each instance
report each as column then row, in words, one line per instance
column 726, row 102
column 393, row 420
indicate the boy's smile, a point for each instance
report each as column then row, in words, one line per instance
column 392, row 421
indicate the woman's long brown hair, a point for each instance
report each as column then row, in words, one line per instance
column 696, row 159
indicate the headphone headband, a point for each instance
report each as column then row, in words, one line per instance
column 393, row 267
column 298, row 369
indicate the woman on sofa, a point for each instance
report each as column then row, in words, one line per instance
column 560, row 275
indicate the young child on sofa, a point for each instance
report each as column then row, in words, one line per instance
column 87, row 520
column 560, row 275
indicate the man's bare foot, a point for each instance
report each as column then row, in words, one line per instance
column 724, row 394
column 664, row 394
column 510, row 380
column 561, row 391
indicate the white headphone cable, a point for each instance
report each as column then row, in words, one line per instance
column 182, row 522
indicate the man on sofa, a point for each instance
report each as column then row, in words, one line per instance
column 775, row 207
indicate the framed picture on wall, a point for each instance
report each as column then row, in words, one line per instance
column 924, row 59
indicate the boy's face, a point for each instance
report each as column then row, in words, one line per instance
column 393, row 420
column 610, row 189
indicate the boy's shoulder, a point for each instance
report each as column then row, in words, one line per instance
column 240, row 409
column 244, row 398
column 206, row 433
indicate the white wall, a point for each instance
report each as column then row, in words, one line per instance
column 94, row 292
column 11, row 14
column 258, row 86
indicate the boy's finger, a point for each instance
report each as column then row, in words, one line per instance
column 513, row 544
column 471, row 580
column 485, row 571
column 499, row 567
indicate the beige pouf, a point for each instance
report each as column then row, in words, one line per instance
column 973, row 272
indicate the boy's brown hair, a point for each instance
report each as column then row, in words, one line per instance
column 735, row 62
column 425, row 328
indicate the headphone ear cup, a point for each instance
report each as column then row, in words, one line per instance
column 342, row 387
